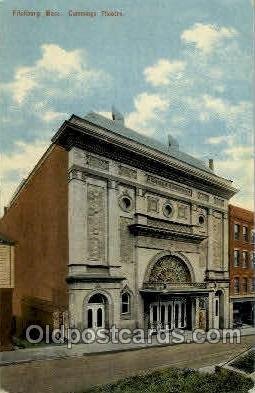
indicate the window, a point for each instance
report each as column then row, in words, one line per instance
column 125, row 303
column 236, row 285
column 245, row 259
column 253, row 236
column 245, row 234
column 236, row 231
column 253, row 284
column 90, row 318
column 236, row 258
column 216, row 307
column 245, row 285
column 253, row 259
column 126, row 203
column 201, row 220
column 168, row 210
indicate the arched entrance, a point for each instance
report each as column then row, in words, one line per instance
column 97, row 311
column 170, row 270
column 169, row 311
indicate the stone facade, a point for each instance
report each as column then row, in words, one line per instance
column 120, row 230
column 133, row 230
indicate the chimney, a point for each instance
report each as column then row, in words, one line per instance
column 211, row 164
column 172, row 142
column 117, row 117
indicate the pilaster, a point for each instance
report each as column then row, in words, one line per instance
column 113, row 223
column 210, row 239
column 211, row 310
column 77, row 218
column 225, row 242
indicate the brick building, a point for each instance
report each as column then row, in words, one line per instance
column 241, row 265
column 6, row 290
column 36, row 219
column 118, row 228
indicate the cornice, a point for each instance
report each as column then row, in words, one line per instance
column 92, row 278
column 146, row 230
column 81, row 133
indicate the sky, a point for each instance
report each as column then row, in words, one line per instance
column 176, row 67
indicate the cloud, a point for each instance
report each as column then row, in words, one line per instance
column 49, row 116
column 216, row 140
column 238, row 164
column 162, row 71
column 148, row 108
column 17, row 164
column 57, row 73
column 207, row 37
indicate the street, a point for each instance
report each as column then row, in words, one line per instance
column 73, row 375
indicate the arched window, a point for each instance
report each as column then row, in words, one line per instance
column 125, row 303
column 90, row 318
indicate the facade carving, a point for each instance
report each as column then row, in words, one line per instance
column 168, row 185
column 149, row 215
column 96, row 223
column 127, row 172
column 171, row 270
column 169, row 226
column 203, row 197
column 217, row 241
column 152, row 204
column 219, row 202
column 126, row 241
column 97, row 163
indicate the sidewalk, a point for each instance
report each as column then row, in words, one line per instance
column 78, row 350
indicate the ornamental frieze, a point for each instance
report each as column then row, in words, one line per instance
column 203, row 197
column 98, row 163
column 155, row 181
column 169, row 225
column 219, row 202
column 127, row 172
column 165, row 244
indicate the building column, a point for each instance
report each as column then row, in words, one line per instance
column 210, row 239
column 210, row 310
column 225, row 242
column 140, row 201
column 226, row 308
column 113, row 225
column 77, row 218
column 196, row 313
column 231, row 314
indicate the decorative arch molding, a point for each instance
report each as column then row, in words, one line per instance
column 127, row 289
column 185, row 265
column 108, row 305
column 98, row 291
column 130, row 293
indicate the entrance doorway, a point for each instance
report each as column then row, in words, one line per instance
column 216, row 313
column 168, row 315
column 96, row 311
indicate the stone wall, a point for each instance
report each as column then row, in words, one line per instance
column 128, row 196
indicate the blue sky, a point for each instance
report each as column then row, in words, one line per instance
column 171, row 66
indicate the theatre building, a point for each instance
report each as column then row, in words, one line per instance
column 124, row 229
column 241, row 266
